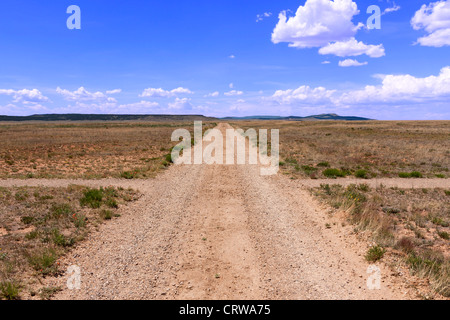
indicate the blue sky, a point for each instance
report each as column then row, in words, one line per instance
column 224, row 58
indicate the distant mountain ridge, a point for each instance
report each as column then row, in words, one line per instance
column 106, row 117
column 161, row 118
column 326, row 116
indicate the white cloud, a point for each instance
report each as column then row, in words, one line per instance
column 352, row 47
column 394, row 91
column 317, row 23
column 83, row 95
column 261, row 17
column 435, row 20
column 212, row 94
column 351, row 63
column 231, row 85
column 303, row 94
column 181, row 104
column 391, row 9
column 161, row 93
column 403, row 88
column 115, row 91
column 234, row 93
column 25, row 110
column 326, row 62
column 327, row 25
column 232, row 56
column 25, row 96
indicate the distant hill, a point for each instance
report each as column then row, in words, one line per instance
column 106, row 117
column 165, row 118
column 328, row 116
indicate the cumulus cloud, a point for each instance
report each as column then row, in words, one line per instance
column 394, row 90
column 403, row 88
column 351, row 63
column 161, row 93
column 317, row 23
column 434, row 18
column 233, row 93
column 83, row 95
column 327, row 25
column 352, row 47
column 25, row 96
column 303, row 94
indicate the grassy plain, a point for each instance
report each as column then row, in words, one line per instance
column 331, row 149
column 87, row 150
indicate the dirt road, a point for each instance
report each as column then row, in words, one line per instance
column 221, row 232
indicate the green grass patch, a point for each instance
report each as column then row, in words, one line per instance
column 375, row 253
column 333, row 173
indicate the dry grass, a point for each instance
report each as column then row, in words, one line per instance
column 85, row 149
column 38, row 225
column 362, row 149
column 409, row 221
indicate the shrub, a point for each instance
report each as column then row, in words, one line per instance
column 333, row 173
column 364, row 187
column 32, row 235
column 27, row 220
column 127, row 175
column 404, row 175
column 62, row 241
column 9, row 290
column 444, row 235
column 92, row 198
column 375, row 253
column 416, row 174
column 61, row 210
column 112, row 203
column 406, row 244
column 308, row 169
column 361, row 174
column 44, row 261
column 79, row 220
column 323, row 164
column 440, row 222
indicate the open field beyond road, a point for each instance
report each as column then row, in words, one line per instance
column 370, row 149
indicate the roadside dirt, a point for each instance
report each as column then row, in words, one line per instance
column 223, row 232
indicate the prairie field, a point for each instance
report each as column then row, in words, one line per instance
column 86, row 150
column 330, row 149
